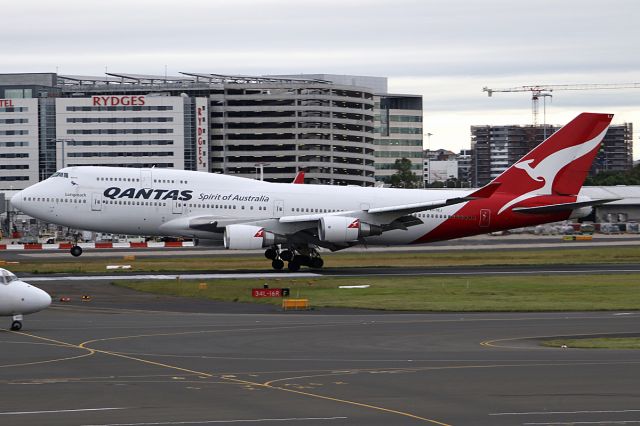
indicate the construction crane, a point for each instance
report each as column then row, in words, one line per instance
column 544, row 91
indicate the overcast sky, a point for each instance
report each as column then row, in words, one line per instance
column 444, row 50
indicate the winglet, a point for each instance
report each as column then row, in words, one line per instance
column 299, row 179
column 486, row 191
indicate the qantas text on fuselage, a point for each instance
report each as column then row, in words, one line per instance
column 292, row 221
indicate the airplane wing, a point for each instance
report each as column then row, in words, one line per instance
column 401, row 209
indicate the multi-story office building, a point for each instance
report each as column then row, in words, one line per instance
column 225, row 124
column 398, row 133
column 19, row 153
column 121, row 130
column 494, row 148
column 282, row 127
column 398, row 122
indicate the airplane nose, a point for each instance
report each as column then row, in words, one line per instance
column 17, row 201
column 43, row 298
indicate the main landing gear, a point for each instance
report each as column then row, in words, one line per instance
column 76, row 250
column 295, row 257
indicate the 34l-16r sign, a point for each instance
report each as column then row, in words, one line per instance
column 269, row 292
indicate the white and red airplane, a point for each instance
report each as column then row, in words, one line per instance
column 293, row 221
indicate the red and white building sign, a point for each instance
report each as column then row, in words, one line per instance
column 202, row 135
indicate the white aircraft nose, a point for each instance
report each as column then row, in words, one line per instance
column 43, row 299
column 17, row 201
column 34, row 299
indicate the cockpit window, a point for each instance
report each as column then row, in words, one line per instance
column 7, row 277
column 60, row 174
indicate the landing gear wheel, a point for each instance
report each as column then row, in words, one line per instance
column 270, row 253
column 317, row 262
column 302, row 260
column 76, row 251
column 277, row 264
column 286, row 255
column 293, row 266
column 16, row 325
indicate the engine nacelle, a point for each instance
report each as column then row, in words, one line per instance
column 249, row 237
column 581, row 212
column 341, row 229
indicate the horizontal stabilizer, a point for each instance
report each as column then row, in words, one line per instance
column 552, row 208
column 486, row 191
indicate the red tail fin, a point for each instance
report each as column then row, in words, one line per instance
column 299, row 179
column 560, row 164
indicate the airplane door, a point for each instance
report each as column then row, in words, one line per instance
column 278, row 208
column 96, row 201
column 178, row 205
column 146, row 180
column 485, row 218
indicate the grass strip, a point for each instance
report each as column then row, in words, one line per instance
column 438, row 294
column 597, row 343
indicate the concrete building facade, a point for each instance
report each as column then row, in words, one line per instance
column 19, row 143
column 120, row 130
column 222, row 124
column 397, row 122
column 282, row 127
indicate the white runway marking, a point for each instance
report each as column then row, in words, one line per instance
column 79, row 410
column 514, row 272
column 292, row 419
column 175, row 276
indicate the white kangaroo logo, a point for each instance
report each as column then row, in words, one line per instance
column 548, row 168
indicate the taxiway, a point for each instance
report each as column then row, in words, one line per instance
column 128, row 358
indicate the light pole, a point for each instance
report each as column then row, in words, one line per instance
column 261, row 167
column 63, row 141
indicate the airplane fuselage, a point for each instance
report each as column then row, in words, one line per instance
column 164, row 201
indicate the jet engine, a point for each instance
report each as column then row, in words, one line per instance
column 581, row 212
column 248, row 237
column 340, row 229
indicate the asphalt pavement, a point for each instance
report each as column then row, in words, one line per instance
column 136, row 359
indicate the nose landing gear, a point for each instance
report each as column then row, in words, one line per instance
column 16, row 325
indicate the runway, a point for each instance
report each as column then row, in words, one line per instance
column 128, row 358
column 382, row 271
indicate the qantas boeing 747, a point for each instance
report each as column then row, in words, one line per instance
column 292, row 221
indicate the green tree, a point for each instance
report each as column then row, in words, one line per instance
column 404, row 177
column 627, row 177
